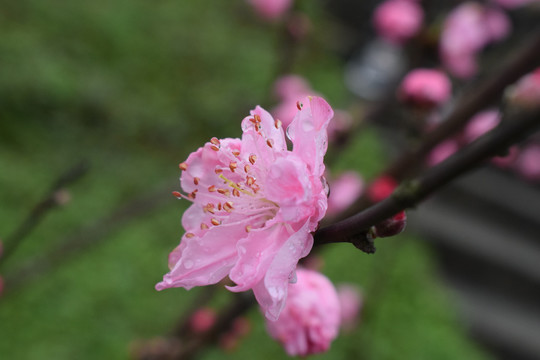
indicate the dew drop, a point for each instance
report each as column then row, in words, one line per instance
column 290, row 133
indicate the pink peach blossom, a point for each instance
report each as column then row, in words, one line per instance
column 467, row 29
column 350, row 301
column 271, row 9
column 381, row 188
column 255, row 204
column 311, row 317
column 442, row 151
column 289, row 89
column 480, row 124
column 398, row 20
column 425, row 88
column 202, row 320
column 344, row 190
column 526, row 92
column 528, row 162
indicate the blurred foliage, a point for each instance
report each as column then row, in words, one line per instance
column 135, row 86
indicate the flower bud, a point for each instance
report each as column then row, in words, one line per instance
column 202, row 320
column 398, row 20
column 425, row 88
column 350, row 301
column 381, row 188
column 391, row 226
column 344, row 191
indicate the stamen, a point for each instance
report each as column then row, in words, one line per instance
column 236, row 153
column 192, row 195
column 252, row 159
column 196, row 180
column 219, row 206
column 233, row 165
column 182, row 166
column 228, row 206
column 204, row 226
column 270, row 142
column 250, row 180
column 248, row 228
column 299, row 105
column 235, row 192
column 257, row 118
column 212, row 188
column 209, row 208
column 277, row 123
column 225, row 192
column 246, row 168
column 218, row 171
column 177, row 194
column 190, row 235
column 215, row 222
column 214, row 147
column 215, row 141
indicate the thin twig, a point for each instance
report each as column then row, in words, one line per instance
column 42, row 208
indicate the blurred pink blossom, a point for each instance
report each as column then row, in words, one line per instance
column 351, row 301
column 290, row 89
column 381, row 188
column 526, row 92
column 442, row 151
column 202, row 320
column 528, row 162
column 311, row 317
column 340, row 125
column 467, row 29
column 398, row 20
column 480, row 124
column 425, row 88
column 255, row 206
column 344, row 191
column 271, row 9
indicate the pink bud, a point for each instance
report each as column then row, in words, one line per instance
column 381, row 188
column 442, row 151
column 241, row 326
column 392, row 226
column 351, row 301
column 202, row 320
column 528, row 162
column 309, row 322
column 425, row 88
column 526, row 92
column 480, row 124
column 271, row 9
column 398, row 20
column 344, row 191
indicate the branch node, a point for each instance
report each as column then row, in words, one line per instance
column 364, row 242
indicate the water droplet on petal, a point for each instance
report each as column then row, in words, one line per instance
column 290, row 132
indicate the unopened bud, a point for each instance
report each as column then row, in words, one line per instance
column 526, row 92
column 202, row 320
column 425, row 88
column 381, row 188
column 391, row 226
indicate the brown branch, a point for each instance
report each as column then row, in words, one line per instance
column 50, row 201
column 513, row 128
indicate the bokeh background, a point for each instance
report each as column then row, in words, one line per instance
column 131, row 88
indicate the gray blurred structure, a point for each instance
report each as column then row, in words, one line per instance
column 485, row 230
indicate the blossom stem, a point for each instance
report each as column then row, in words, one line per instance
column 516, row 125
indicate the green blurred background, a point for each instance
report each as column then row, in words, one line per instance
column 133, row 87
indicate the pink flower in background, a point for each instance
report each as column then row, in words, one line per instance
column 290, row 89
column 344, row 191
column 271, row 9
column 526, row 92
column 311, row 317
column 255, row 204
column 442, row 151
column 467, row 29
column 340, row 125
column 350, row 301
column 202, row 320
column 528, row 162
column 381, row 188
column 425, row 88
column 480, row 124
column 398, row 20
